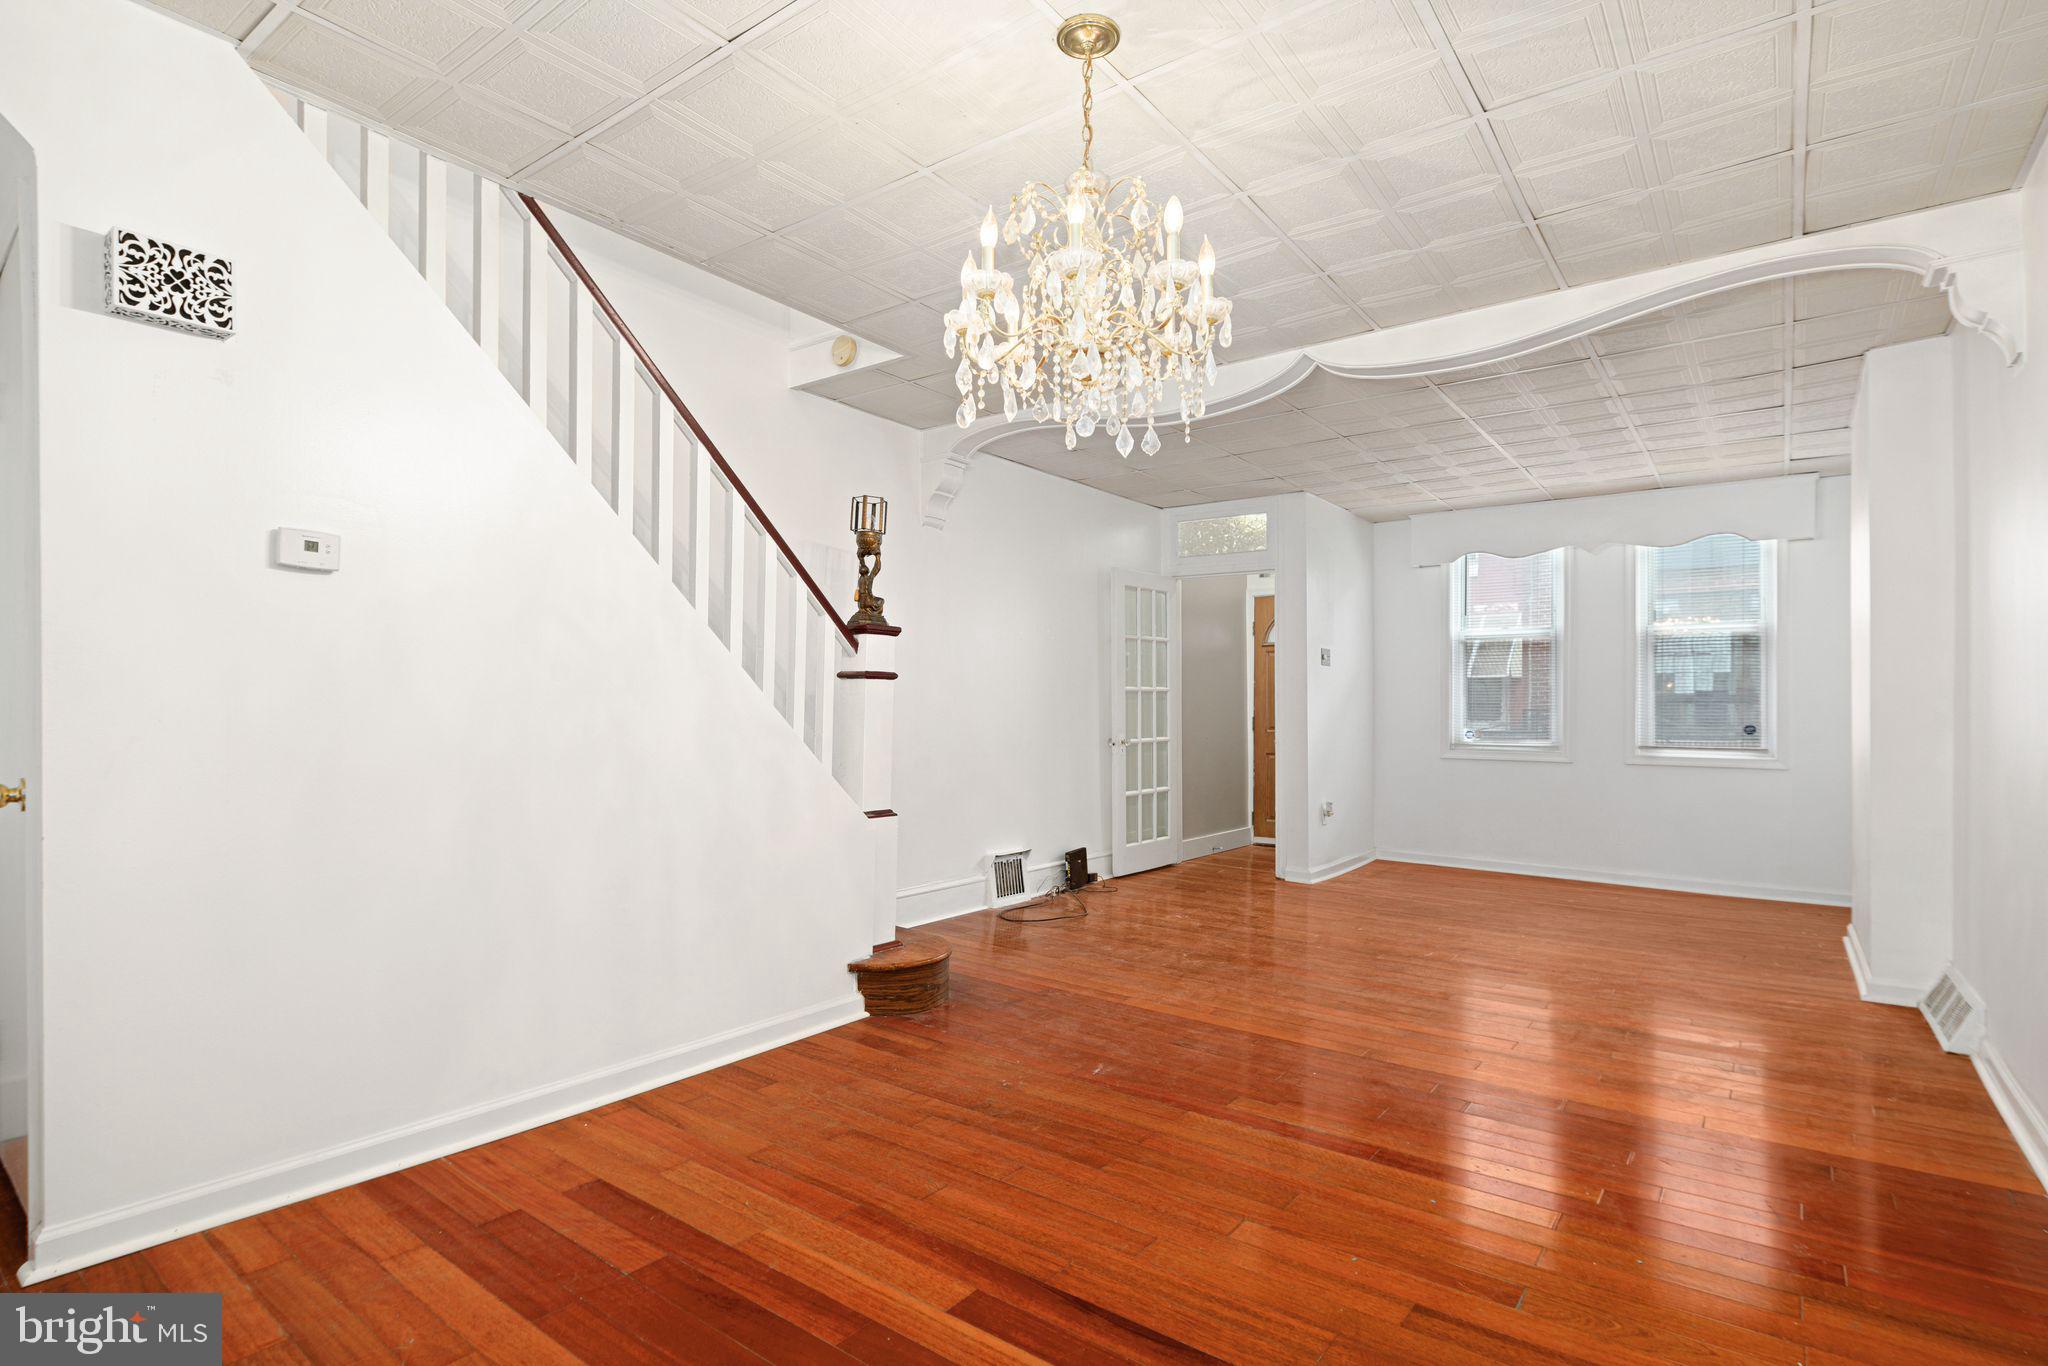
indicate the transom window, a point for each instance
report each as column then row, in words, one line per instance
column 1240, row 534
column 1507, row 619
column 1706, row 628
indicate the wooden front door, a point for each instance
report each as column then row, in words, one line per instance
column 1262, row 718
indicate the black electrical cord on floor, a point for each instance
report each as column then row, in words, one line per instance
column 1063, row 895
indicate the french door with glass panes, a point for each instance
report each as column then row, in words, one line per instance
column 1144, row 721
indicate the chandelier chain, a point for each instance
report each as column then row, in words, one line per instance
column 1088, row 114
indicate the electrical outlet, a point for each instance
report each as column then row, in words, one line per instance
column 1326, row 656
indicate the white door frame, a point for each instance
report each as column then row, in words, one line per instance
column 1283, row 535
column 1163, row 846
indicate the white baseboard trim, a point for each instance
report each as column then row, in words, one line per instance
column 1871, row 988
column 1323, row 872
column 1200, row 846
column 59, row 1248
column 930, row 901
column 2020, row 1113
column 1707, row 887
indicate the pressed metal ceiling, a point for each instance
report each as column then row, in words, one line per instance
column 1359, row 163
column 1746, row 384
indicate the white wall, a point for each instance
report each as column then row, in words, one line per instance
column 1340, row 726
column 1000, row 720
column 1904, row 662
column 2001, row 927
column 1215, row 766
column 1777, row 833
column 341, row 871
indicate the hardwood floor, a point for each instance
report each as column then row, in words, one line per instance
column 1414, row 1114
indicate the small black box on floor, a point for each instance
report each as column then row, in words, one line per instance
column 1077, row 869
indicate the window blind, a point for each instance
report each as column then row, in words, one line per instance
column 1506, row 619
column 1705, row 637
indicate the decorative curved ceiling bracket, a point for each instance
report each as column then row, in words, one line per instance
column 1983, row 282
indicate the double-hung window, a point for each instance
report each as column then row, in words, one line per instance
column 1507, row 625
column 1706, row 646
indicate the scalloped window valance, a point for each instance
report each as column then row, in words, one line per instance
column 1761, row 509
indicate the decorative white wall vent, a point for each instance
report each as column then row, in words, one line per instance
column 1006, row 878
column 1954, row 1012
column 169, row 285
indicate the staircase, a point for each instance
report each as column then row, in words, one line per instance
column 504, row 268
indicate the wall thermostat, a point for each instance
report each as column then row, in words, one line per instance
column 319, row 551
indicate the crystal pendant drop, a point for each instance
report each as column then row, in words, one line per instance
column 952, row 342
column 965, row 417
column 963, row 378
column 1085, row 424
column 1071, row 443
column 1223, row 333
column 1151, row 443
column 1209, row 366
column 1009, row 404
column 1123, row 443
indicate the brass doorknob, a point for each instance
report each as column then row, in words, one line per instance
column 14, row 796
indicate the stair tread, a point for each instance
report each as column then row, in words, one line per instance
column 910, row 951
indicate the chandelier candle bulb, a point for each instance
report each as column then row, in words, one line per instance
column 988, row 242
column 1173, row 224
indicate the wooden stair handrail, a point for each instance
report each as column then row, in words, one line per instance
column 575, row 263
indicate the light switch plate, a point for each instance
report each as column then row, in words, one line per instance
column 297, row 548
column 1326, row 656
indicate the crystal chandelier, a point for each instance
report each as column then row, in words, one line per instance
column 1110, row 313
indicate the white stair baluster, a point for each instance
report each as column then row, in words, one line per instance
column 664, row 486
column 433, row 206
column 582, row 336
column 625, row 450
column 771, row 603
column 535, row 279
column 827, row 666
column 736, row 574
column 485, row 280
column 700, row 528
column 373, row 176
column 799, row 631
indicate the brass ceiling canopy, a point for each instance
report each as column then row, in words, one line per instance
column 1088, row 36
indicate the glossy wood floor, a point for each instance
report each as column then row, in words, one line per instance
column 1410, row 1115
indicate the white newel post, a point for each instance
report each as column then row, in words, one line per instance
column 873, row 673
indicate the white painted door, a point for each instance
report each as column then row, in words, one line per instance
column 1144, row 614
column 19, row 675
